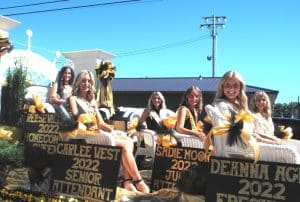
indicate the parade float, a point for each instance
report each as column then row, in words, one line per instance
column 36, row 165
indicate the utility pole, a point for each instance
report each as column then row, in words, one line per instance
column 212, row 22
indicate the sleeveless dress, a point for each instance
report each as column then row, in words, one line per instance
column 154, row 121
column 187, row 140
column 63, row 110
column 104, row 138
column 266, row 127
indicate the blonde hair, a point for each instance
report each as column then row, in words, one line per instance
column 242, row 97
column 76, row 88
column 160, row 95
column 185, row 102
column 267, row 111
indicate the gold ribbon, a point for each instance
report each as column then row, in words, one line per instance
column 106, row 72
column 246, row 133
column 166, row 140
column 5, row 46
column 37, row 105
column 87, row 125
column 287, row 132
column 133, row 124
column 170, row 122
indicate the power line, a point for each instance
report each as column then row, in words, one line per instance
column 137, row 52
column 161, row 47
column 76, row 7
column 33, row 4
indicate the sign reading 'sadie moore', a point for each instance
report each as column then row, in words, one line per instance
column 236, row 180
column 169, row 162
column 86, row 171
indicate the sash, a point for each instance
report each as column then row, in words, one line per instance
column 156, row 117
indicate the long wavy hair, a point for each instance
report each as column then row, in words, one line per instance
column 59, row 79
column 242, row 97
column 150, row 105
column 267, row 111
column 185, row 102
column 76, row 88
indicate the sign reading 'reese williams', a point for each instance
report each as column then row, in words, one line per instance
column 42, row 131
column 169, row 162
column 242, row 181
column 86, row 171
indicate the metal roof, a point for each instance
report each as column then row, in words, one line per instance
column 7, row 23
column 173, row 84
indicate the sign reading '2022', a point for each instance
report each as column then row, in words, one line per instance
column 243, row 181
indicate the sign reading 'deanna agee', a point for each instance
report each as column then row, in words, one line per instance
column 237, row 180
column 86, row 171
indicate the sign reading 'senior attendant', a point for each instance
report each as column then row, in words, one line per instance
column 86, row 171
column 169, row 162
column 242, row 181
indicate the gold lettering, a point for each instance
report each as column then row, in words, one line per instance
column 35, row 118
column 289, row 174
column 106, row 153
column 194, row 155
column 214, row 166
column 82, row 190
column 158, row 184
column 42, row 138
column 83, row 176
column 74, row 150
column 239, row 169
column 172, row 175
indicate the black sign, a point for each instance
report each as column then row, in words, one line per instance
column 242, row 180
column 41, row 131
column 169, row 162
column 86, row 171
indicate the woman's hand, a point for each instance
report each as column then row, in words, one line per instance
column 201, row 135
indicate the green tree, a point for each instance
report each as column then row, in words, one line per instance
column 13, row 95
column 283, row 109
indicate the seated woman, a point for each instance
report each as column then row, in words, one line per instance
column 231, row 101
column 83, row 102
column 61, row 90
column 190, row 117
column 155, row 112
column 150, row 124
column 263, row 124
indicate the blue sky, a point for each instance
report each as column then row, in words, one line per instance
column 261, row 38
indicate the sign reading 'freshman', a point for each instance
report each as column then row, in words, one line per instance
column 86, row 171
column 169, row 162
column 242, row 181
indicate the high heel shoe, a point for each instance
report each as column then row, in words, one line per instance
column 141, row 186
column 127, row 184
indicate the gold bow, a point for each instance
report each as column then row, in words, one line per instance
column 105, row 72
column 287, row 132
column 132, row 124
column 170, row 122
column 38, row 106
column 5, row 46
column 246, row 133
column 166, row 140
column 87, row 124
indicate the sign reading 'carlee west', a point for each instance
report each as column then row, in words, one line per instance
column 242, row 181
column 169, row 162
column 86, row 171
